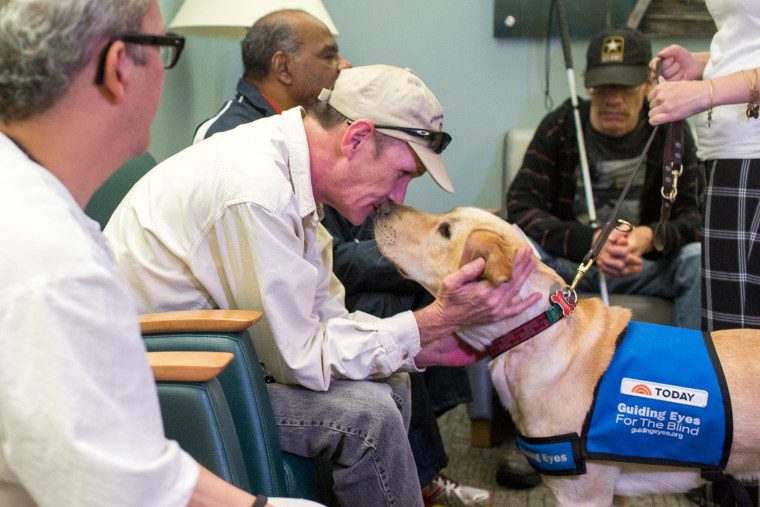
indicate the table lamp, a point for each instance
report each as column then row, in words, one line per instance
column 231, row 18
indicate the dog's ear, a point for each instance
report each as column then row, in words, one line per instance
column 498, row 255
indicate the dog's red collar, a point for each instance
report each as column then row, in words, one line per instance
column 563, row 304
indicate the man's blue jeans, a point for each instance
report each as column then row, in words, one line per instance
column 677, row 277
column 360, row 426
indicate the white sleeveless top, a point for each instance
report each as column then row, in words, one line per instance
column 735, row 47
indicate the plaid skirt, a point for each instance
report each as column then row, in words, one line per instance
column 731, row 268
column 730, row 261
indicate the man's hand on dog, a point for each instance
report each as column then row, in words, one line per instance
column 462, row 301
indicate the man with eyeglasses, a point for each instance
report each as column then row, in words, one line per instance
column 232, row 222
column 80, row 423
column 547, row 199
column 169, row 48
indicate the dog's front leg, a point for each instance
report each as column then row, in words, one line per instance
column 595, row 488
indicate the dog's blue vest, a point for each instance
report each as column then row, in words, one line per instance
column 663, row 400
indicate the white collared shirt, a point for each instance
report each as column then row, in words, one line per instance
column 232, row 223
column 80, row 423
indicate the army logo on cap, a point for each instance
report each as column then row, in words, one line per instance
column 612, row 49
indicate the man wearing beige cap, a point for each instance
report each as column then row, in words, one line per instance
column 232, row 222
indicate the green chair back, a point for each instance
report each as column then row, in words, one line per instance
column 104, row 201
column 196, row 415
column 270, row 471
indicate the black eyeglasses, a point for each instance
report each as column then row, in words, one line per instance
column 436, row 140
column 169, row 47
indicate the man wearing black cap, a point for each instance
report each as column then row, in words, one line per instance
column 547, row 199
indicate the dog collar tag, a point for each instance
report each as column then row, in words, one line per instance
column 558, row 298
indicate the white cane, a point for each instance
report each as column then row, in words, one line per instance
column 565, row 40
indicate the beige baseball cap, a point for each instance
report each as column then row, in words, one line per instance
column 394, row 97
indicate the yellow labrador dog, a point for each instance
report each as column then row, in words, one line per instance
column 548, row 382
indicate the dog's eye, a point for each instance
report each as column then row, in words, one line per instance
column 445, row 230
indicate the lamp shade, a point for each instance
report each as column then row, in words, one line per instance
column 232, row 18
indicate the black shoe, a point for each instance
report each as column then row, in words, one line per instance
column 515, row 472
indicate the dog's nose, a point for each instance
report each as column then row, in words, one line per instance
column 384, row 210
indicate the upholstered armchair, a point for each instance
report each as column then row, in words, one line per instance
column 195, row 411
column 269, row 471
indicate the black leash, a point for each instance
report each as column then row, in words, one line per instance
column 614, row 221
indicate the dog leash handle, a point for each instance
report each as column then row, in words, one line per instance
column 672, row 168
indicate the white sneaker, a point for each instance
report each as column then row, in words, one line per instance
column 444, row 492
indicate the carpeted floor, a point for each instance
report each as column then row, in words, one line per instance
column 476, row 466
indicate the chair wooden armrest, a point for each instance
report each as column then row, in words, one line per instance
column 183, row 366
column 198, row 321
column 267, row 469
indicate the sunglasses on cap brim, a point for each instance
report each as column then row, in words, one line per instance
column 436, row 140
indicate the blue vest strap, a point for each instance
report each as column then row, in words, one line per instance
column 558, row 455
